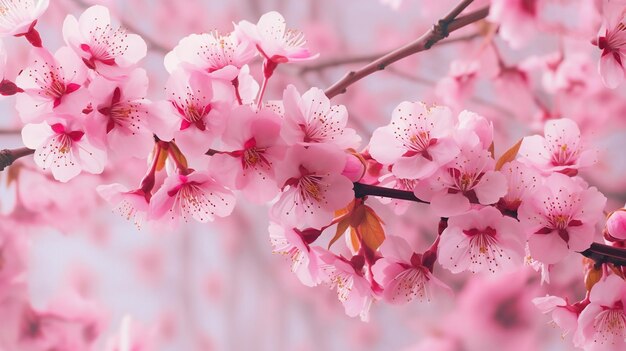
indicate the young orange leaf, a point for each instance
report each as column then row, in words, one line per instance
column 509, row 155
column 371, row 230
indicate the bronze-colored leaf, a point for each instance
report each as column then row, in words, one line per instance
column 509, row 155
column 342, row 226
column 371, row 230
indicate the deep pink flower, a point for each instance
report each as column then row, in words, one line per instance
column 195, row 195
column 219, row 55
column 108, row 50
column 521, row 180
column 312, row 190
column 561, row 150
column 49, row 82
column 518, row 20
column 62, row 146
column 474, row 129
column 347, row 277
column 405, row 274
column 19, row 18
column 192, row 114
column 294, row 243
column 560, row 217
column 469, row 178
column 563, row 315
column 120, row 115
column 616, row 224
column 612, row 41
column 417, row 141
column 130, row 204
column 481, row 240
column 276, row 43
column 252, row 146
column 602, row 324
column 311, row 119
column 458, row 84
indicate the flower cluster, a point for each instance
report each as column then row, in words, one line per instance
column 212, row 139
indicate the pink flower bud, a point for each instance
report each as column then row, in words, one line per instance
column 616, row 224
column 354, row 169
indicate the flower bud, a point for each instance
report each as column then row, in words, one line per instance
column 616, row 224
column 355, row 167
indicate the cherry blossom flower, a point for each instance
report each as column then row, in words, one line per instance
column 13, row 258
column 559, row 217
column 616, row 224
column 219, row 55
column 417, row 141
column 312, row 190
column 311, row 119
column 130, row 204
column 521, row 181
column 406, row 275
column 473, row 128
column 495, row 312
column 602, row 324
column 353, row 289
column 469, row 178
column 294, row 243
column 49, row 83
column 561, row 150
column 518, row 20
column 191, row 114
column 538, row 266
column 120, row 115
column 481, row 240
column 459, row 84
column 612, row 41
column 62, row 146
column 253, row 144
column 276, row 43
column 19, row 17
column 195, row 195
column 102, row 47
column 64, row 325
column 563, row 315
column 7, row 87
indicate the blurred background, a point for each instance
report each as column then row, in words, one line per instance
column 217, row 286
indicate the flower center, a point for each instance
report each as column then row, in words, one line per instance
column 610, row 324
column 310, row 187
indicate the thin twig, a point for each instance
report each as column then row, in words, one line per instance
column 10, row 131
column 340, row 61
column 446, row 25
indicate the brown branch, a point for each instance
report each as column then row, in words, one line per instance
column 10, row 131
column 598, row 252
column 340, row 61
column 445, row 26
column 362, row 190
column 8, row 156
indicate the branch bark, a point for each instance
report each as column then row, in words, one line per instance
column 598, row 252
column 8, row 156
column 444, row 26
